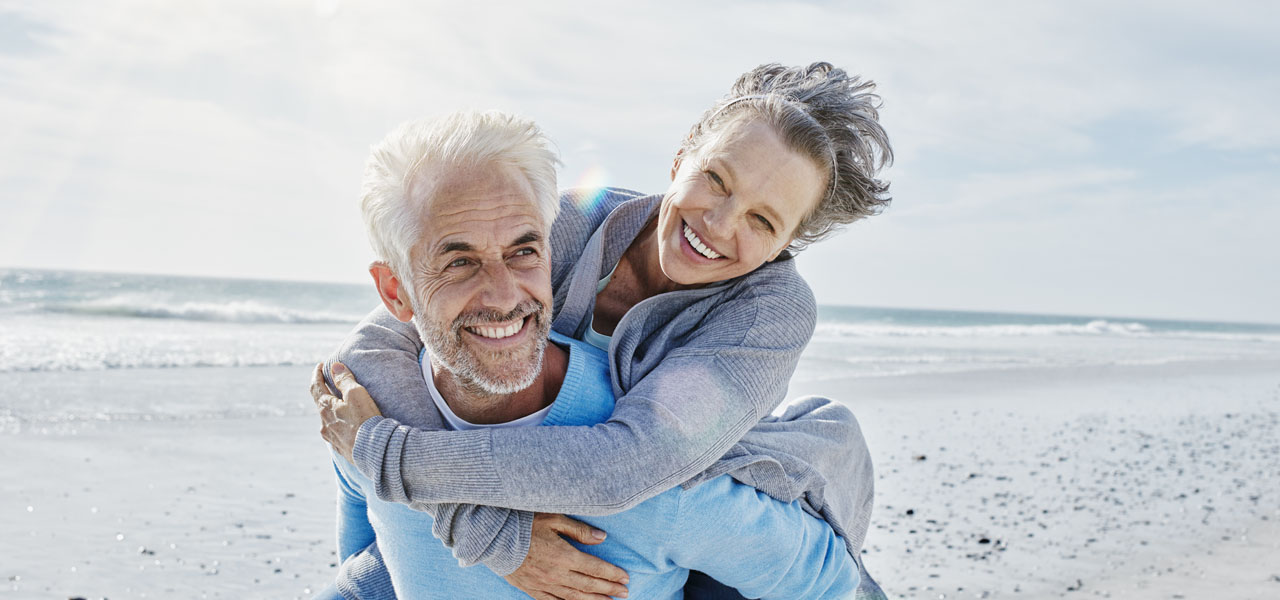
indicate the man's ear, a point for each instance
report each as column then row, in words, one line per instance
column 394, row 296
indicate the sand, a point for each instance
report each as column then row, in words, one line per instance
column 1158, row 481
column 185, row 508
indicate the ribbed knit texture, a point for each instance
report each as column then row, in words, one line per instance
column 364, row 577
column 693, row 370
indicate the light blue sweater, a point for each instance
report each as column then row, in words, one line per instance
column 732, row 532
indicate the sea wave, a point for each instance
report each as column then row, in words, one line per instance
column 241, row 311
column 100, row 362
column 1096, row 328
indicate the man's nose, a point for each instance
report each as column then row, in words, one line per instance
column 501, row 291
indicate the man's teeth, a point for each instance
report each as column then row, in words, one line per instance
column 698, row 245
column 498, row 333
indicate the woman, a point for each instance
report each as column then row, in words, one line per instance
column 696, row 300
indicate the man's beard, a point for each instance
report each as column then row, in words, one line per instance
column 504, row 372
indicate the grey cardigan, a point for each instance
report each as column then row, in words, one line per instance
column 696, row 374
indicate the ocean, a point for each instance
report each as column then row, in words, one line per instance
column 60, row 328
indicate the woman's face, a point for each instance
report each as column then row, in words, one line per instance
column 734, row 205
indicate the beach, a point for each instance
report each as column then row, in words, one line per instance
column 1125, row 482
column 1140, row 482
column 160, row 443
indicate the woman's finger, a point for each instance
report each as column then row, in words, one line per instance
column 343, row 378
column 319, row 388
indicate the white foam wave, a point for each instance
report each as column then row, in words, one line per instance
column 227, row 312
column 1096, row 328
column 99, row 362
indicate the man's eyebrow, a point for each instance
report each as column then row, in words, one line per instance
column 528, row 237
column 455, row 247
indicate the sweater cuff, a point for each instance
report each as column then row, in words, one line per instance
column 371, row 443
column 507, row 562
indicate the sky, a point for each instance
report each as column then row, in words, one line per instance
column 1088, row 158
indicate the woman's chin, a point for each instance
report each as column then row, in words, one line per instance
column 685, row 274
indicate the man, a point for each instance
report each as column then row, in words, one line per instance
column 468, row 262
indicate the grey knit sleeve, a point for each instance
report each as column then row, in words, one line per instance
column 675, row 422
column 382, row 353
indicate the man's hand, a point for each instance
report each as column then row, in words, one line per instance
column 340, row 418
column 555, row 570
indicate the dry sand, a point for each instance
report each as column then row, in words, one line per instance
column 1155, row 481
column 1126, row 482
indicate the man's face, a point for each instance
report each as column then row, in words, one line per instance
column 482, row 278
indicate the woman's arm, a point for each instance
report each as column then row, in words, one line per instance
column 383, row 353
column 527, row 550
column 672, row 424
column 813, row 452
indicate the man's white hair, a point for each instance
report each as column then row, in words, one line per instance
column 394, row 219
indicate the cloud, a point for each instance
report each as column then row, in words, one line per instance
column 1021, row 129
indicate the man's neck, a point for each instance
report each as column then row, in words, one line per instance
column 474, row 405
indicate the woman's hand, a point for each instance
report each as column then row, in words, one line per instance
column 555, row 569
column 341, row 418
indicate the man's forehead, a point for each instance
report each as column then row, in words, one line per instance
column 492, row 204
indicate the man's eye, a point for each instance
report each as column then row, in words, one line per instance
column 525, row 252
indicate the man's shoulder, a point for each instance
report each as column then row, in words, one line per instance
column 586, row 394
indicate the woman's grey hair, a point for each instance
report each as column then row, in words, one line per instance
column 417, row 150
column 823, row 113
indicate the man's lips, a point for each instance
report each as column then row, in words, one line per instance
column 501, row 332
column 497, row 331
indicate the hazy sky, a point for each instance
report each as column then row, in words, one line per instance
column 1069, row 157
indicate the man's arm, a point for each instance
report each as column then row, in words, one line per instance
column 362, row 573
column 762, row 547
column 355, row 533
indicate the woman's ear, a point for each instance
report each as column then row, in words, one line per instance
column 675, row 164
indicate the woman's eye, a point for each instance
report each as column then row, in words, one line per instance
column 715, row 180
column 459, row 262
column 764, row 222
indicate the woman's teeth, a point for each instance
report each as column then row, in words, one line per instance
column 698, row 245
column 498, row 333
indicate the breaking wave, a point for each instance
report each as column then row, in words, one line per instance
column 240, row 311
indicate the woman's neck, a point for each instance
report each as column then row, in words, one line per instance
column 641, row 260
column 638, row 276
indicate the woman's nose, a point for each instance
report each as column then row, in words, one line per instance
column 720, row 218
